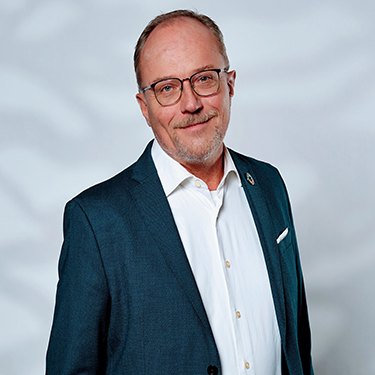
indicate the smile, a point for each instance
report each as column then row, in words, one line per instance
column 196, row 124
column 195, row 121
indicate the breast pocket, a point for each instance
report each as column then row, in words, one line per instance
column 289, row 270
column 284, row 239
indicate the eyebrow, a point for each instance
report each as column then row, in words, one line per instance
column 161, row 78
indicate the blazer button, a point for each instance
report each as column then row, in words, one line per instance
column 212, row 370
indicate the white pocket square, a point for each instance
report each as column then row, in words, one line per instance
column 282, row 235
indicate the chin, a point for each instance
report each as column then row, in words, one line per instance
column 200, row 153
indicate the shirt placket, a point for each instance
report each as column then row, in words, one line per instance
column 232, row 278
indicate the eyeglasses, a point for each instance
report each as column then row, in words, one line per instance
column 168, row 91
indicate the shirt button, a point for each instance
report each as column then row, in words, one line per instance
column 227, row 264
column 238, row 314
column 247, row 365
column 198, row 184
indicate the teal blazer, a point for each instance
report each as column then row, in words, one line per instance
column 127, row 302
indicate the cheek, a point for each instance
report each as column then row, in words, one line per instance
column 160, row 121
column 223, row 107
column 156, row 115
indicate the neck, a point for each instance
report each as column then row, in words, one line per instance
column 211, row 172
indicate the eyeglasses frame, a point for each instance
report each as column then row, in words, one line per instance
column 152, row 86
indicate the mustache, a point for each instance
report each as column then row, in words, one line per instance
column 195, row 119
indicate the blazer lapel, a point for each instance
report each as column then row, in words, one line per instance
column 265, row 227
column 154, row 207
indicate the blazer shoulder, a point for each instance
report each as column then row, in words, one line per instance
column 265, row 175
column 122, row 181
column 119, row 186
column 261, row 169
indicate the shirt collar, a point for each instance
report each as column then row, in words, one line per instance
column 172, row 173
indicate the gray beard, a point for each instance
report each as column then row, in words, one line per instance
column 207, row 149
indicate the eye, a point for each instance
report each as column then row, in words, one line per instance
column 204, row 78
column 167, row 87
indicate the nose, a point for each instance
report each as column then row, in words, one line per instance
column 190, row 101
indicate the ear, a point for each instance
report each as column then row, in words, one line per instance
column 231, row 82
column 143, row 106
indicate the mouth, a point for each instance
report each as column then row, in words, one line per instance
column 195, row 121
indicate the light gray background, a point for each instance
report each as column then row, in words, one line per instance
column 304, row 101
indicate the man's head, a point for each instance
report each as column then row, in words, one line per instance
column 191, row 128
column 164, row 19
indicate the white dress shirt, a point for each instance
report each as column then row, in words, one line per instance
column 222, row 245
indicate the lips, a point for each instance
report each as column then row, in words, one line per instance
column 196, row 123
column 194, row 120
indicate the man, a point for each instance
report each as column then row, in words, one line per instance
column 187, row 261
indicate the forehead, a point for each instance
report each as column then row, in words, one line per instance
column 179, row 46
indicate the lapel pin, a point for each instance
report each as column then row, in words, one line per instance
column 250, row 179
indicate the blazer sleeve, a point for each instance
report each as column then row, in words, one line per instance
column 304, row 333
column 78, row 337
column 303, row 325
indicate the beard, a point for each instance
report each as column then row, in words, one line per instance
column 202, row 148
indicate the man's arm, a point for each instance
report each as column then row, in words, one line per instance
column 304, row 333
column 303, row 329
column 79, row 332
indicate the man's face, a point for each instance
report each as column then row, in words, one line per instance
column 192, row 130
